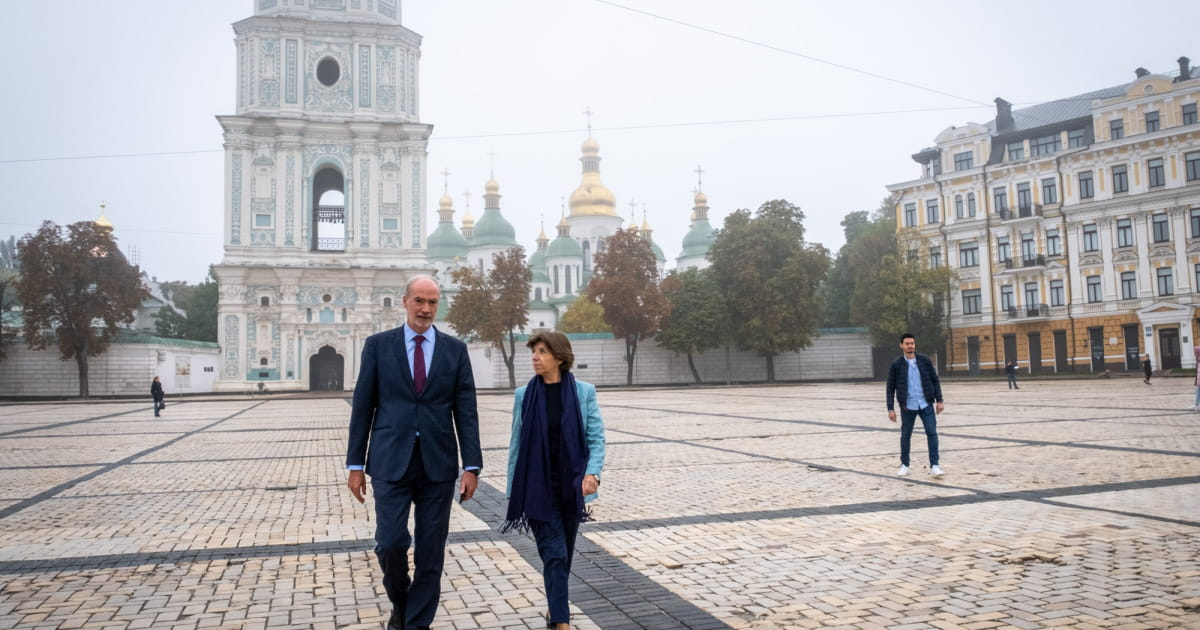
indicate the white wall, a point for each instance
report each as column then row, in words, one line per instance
column 831, row 357
column 126, row 369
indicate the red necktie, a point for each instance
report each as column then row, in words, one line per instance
column 419, row 364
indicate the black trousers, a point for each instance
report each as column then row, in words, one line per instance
column 415, row 598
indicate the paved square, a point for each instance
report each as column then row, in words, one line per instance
column 1068, row 504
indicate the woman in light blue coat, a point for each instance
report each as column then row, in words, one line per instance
column 554, row 462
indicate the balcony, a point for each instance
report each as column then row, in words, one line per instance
column 1033, row 261
column 1029, row 311
column 1021, row 212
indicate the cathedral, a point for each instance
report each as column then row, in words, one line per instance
column 325, row 200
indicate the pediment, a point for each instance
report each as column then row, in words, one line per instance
column 1091, row 260
column 1126, row 256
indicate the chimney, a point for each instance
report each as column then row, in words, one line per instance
column 1141, row 72
column 1185, row 70
column 1004, row 117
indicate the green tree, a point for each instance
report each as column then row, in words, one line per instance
column 839, row 286
column 769, row 277
column 583, row 316
column 626, row 285
column 77, row 289
column 699, row 317
column 494, row 307
column 198, row 321
column 898, row 292
column 169, row 322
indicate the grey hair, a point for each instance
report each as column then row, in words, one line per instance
column 417, row 278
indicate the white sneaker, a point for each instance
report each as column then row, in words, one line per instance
column 936, row 471
column 903, row 471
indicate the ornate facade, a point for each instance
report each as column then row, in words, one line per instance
column 324, row 191
column 1073, row 228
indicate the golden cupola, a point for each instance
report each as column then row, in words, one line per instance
column 592, row 198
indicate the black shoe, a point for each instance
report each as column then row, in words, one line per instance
column 396, row 621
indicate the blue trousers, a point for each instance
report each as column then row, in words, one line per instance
column 158, row 405
column 908, row 419
column 416, row 599
column 556, row 546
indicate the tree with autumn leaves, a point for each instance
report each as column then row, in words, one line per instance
column 625, row 283
column 493, row 307
column 76, row 290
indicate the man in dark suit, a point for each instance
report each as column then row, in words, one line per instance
column 415, row 395
column 913, row 381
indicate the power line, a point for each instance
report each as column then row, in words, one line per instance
column 793, row 53
column 105, row 156
column 123, row 230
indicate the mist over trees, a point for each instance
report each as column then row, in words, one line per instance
column 493, row 307
column 198, row 321
column 626, row 285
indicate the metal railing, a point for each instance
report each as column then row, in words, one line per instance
column 1033, row 261
column 331, row 214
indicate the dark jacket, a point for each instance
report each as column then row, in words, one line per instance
column 156, row 390
column 387, row 413
column 897, row 382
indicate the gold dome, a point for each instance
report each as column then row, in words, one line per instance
column 701, row 199
column 468, row 220
column 103, row 220
column 592, row 198
column 445, row 203
column 590, row 146
column 491, row 187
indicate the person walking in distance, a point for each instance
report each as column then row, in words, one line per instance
column 913, row 382
column 156, row 392
column 1146, row 369
column 413, row 412
column 1011, row 368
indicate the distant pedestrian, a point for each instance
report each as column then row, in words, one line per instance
column 1146, row 369
column 1196, row 407
column 1011, row 368
column 156, row 391
column 913, row 382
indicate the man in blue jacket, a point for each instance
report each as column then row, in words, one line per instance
column 413, row 413
column 913, row 381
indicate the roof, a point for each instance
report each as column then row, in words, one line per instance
column 493, row 229
column 126, row 335
column 698, row 239
column 1058, row 111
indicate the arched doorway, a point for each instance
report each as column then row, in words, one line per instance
column 325, row 370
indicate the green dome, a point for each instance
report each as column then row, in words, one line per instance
column 698, row 239
column 562, row 246
column 539, row 275
column 493, row 229
column 658, row 252
column 537, row 260
column 445, row 243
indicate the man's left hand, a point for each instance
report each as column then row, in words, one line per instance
column 938, row 407
column 470, row 481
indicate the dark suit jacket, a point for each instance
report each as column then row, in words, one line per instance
column 897, row 382
column 387, row 413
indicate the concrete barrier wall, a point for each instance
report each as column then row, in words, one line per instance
column 602, row 362
column 124, row 370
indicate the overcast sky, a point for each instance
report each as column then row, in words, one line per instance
column 816, row 107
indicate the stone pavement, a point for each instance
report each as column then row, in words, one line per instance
column 1066, row 504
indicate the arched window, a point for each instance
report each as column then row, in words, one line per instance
column 343, row 314
column 329, row 211
column 387, row 302
column 958, row 206
column 537, row 294
column 970, row 204
column 308, row 314
column 262, row 361
column 264, row 301
column 587, row 254
column 555, row 279
column 567, row 269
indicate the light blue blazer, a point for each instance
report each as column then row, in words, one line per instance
column 593, row 427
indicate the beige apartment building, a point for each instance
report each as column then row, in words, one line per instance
column 1073, row 228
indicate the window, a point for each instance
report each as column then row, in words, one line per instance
column 1195, row 222
column 1049, row 190
column 935, row 257
column 1193, row 166
column 1086, row 189
column 1007, row 301
column 910, row 214
column 935, row 166
column 262, row 220
column 391, row 225
column 1024, row 197
column 1197, row 274
column 264, row 301
column 913, row 255
column 958, row 206
column 1057, row 296
column 308, row 314
column 1053, row 244
column 972, row 302
column 1003, row 249
column 931, row 211
column 1028, row 247
column 963, row 161
column 1116, row 128
column 1031, row 295
column 262, row 361
column 1162, row 228
column 971, row 201
column 1093, row 289
column 1045, row 145
column 1166, row 281
column 1120, row 175
column 1151, row 121
column 1189, row 114
column 968, row 254
column 1016, row 151
column 1128, row 285
column 1155, row 169
column 1124, row 233
column 1075, row 138
column 1001, row 197
column 1091, row 238
column 387, row 302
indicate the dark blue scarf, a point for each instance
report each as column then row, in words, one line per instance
column 532, row 495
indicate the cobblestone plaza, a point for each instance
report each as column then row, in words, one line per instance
column 1072, row 504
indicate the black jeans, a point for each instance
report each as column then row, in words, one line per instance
column 556, row 546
